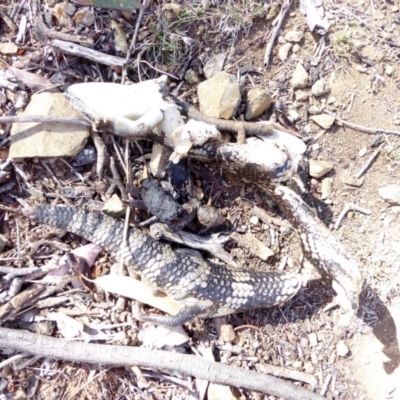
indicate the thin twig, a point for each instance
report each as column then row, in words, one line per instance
column 346, row 209
column 198, row 367
column 133, row 42
column 266, row 128
column 362, row 128
column 368, row 163
column 277, row 23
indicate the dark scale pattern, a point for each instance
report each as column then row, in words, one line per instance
column 321, row 248
column 202, row 287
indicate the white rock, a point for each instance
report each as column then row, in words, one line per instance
column 283, row 51
column 294, row 36
column 319, row 168
column 8, row 48
column 114, row 206
column 301, row 95
column 254, row 220
column 319, row 88
column 258, row 101
column 294, row 116
column 299, row 77
column 313, row 110
column 44, row 139
column 326, row 188
column 362, row 152
column 389, row 70
column 219, row 96
column 341, row 349
column 312, row 338
column 323, row 120
column 296, row 48
column 391, row 194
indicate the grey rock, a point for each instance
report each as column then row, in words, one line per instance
column 45, row 139
column 391, row 194
column 191, row 77
column 258, row 101
column 214, row 65
column 299, row 77
column 219, row 96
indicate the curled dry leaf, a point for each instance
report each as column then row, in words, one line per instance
column 137, row 290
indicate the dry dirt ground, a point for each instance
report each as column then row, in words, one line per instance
column 360, row 60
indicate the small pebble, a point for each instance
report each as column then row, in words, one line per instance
column 362, row 152
column 342, row 349
column 254, row 220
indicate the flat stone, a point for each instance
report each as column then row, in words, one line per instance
column 45, row 139
column 227, row 333
column 323, row 120
column 391, row 194
column 319, row 88
column 301, row 95
column 219, row 96
column 294, row 36
column 299, row 77
column 214, row 65
column 258, row 101
column 319, row 168
column 114, row 207
column 326, row 188
column 84, row 16
column 283, row 51
column 8, row 49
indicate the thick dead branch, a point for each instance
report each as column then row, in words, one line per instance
column 198, row 367
column 251, row 128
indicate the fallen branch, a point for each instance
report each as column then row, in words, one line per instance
column 251, row 128
column 362, row 128
column 87, row 53
column 346, row 209
column 277, row 23
column 198, row 367
column 368, row 163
